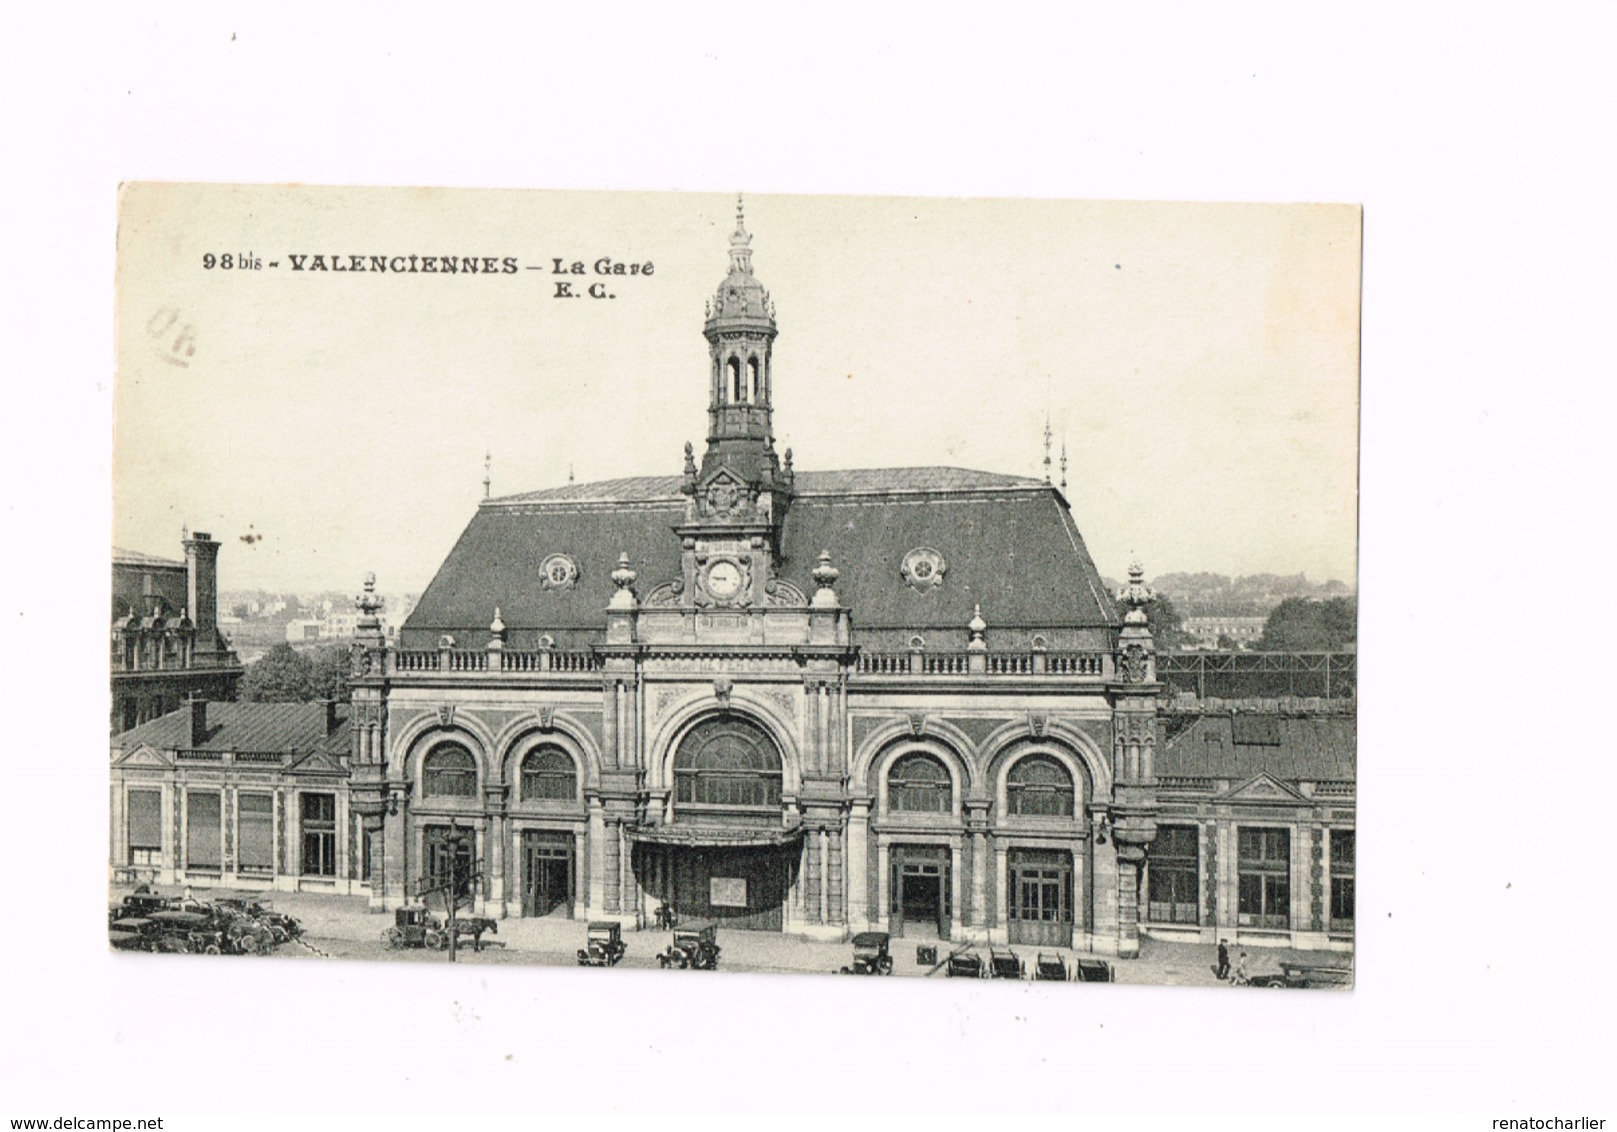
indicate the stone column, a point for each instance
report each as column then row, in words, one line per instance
column 583, row 889
column 609, row 723
column 1002, row 895
column 979, row 881
column 954, row 888
column 856, row 866
column 811, row 876
column 884, row 897
column 825, row 877
column 396, row 856
column 1128, row 907
column 597, row 860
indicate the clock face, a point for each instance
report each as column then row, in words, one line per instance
column 724, row 580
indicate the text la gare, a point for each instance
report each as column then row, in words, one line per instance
column 606, row 265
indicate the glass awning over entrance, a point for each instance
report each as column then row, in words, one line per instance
column 714, row 836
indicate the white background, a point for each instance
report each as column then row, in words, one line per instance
column 1476, row 137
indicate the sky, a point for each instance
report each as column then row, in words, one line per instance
column 1197, row 362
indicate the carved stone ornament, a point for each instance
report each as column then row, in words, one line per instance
column 1038, row 723
column 923, row 569
column 723, row 497
column 558, row 572
column 722, row 687
column 547, row 718
column 1133, row 663
column 446, row 715
column 917, row 723
column 359, row 659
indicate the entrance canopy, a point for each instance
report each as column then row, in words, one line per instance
column 714, row 836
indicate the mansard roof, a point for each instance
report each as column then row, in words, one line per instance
column 1009, row 544
column 121, row 557
column 1239, row 745
column 245, row 727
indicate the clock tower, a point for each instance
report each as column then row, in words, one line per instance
column 738, row 496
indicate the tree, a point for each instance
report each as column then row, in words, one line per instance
column 329, row 675
column 1167, row 626
column 282, row 675
column 1310, row 625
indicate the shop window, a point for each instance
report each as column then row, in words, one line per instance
column 1039, row 786
column 548, row 775
column 449, row 771
column 727, row 762
column 919, row 784
column 317, row 821
column 255, row 826
column 145, row 808
column 202, row 850
column 1264, row 861
column 1174, row 885
column 1342, row 850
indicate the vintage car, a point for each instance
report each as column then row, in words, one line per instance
column 1050, row 968
column 414, row 926
column 134, row 933
column 965, row 965
column 603, row 945
column 247, row 936
column 870, row 955
column 188, row 932
column 1005, row 965
column 140, row 904
column 1093, row 971
column 694, row 946
column 281, row 926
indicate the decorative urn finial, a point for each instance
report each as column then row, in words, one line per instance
column 624, row 578
column 1137, row 595
column 978, row 627
column 497, row 626
column 825, row 576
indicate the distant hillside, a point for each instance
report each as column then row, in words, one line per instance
column 1251, row 595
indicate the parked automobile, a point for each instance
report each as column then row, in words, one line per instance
column 870, row 955
column 603, row 945
column 694, row 946
column 1050, row 968
column 1005, row 965
column 140, row 904
column 188, row 932
column 965, row 965
column 1094, row 971
column 281, row 926
column 134, row 933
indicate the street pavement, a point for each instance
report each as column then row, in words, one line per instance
column 344, row 927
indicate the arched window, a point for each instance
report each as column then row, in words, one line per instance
column 1039, row 786
column 755, row 380
column 548, row 775
column 738, row 391
column 727, row 762
column 919, row 784
column 449, row 771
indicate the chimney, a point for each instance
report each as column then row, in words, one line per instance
column 202, row 588
column 198, row 707
column 331, row 713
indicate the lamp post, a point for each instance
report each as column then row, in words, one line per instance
column 457, row 840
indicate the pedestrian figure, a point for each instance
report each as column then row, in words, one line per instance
column 1223, row 968
column 1241, row 978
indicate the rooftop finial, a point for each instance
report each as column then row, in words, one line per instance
column 1046, row 447
column 569, row 473
column 488, row 467
column 1063, row 465
column 740, row 244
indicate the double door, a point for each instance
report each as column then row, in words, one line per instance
column 1041, row 897
column 922, row 898
column 548, row 874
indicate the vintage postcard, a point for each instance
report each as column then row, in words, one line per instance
column 897, row 587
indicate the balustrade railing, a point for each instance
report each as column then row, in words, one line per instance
column 922, row 663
